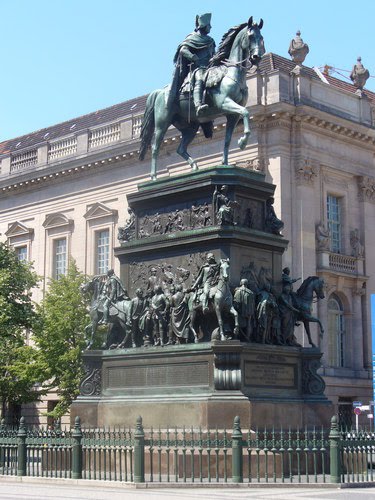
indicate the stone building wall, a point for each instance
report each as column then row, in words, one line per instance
column 311, row 138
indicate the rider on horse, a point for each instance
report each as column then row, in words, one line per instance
column 208, row 277
column 113, row 291
column 192, row 56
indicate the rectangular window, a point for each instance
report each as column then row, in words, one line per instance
column 334, row 222
column 102, row 251
column 59, row 258
column 21, row 253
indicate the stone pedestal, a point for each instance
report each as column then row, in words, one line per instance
column 176, row 225
column 204, row 385
column 176, row 222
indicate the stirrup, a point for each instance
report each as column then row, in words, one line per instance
column 202, row 108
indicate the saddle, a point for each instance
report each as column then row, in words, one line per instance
column 212, row 77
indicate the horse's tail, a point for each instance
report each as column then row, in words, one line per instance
column 148, row 124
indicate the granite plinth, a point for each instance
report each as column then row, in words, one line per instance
column 203, row 385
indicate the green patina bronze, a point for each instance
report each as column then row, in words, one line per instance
column 223, row 75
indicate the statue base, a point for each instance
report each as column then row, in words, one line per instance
column 205, row 384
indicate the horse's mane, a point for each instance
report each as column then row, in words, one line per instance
column 305, row 284
column 225, row 46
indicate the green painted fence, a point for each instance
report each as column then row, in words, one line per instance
column 136, row 455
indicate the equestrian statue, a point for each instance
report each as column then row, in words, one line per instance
column 205, row 85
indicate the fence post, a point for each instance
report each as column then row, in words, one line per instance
column 2, row 448
column 237, row 469
column 334, row 451
column 77, row 450
column 139, row 452
column 21, row 448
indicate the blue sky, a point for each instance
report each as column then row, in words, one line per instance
column 64, row 58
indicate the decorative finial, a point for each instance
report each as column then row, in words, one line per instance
column 359, row 76
column 298, row 51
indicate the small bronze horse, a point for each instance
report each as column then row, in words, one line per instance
column 119, row 317
column 303, row 299
column 220, row 301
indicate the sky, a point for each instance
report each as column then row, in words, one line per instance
column 61, row 59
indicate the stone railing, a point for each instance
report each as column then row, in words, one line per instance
column 62, row 148
column 79, row 143
column 104, row 135
column 136, row 126
column 343, row 263
column 24, row 160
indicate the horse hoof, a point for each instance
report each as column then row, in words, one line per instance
column 196, row 340
column 242, row 142
column 194, row 166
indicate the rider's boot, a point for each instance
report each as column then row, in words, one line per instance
column 200, row 107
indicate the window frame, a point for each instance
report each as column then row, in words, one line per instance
column 334, row 222
column 337, row 338
column 107, row 246
column 55, row 274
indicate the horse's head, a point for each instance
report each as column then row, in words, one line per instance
column 256, row 43
column 224, row 269
column 86, row 287
column 92, row 286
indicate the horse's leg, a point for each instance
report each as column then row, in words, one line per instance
column 306, row 324
column 162, row 123
column 193, row 314
column 234, row 313
column 188, row 135
column 220, row 320
column 231, row 107
column 93, row 326
column 231, row 125
column 313, row 319
column 89, row 328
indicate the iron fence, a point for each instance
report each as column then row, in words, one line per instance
column 309, row 455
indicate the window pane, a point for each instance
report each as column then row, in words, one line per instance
column 59, row 258
column 21, row 253
column 336, row 333
column 334, row 222
column 102, row 251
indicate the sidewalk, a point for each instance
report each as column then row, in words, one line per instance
column 26, row 488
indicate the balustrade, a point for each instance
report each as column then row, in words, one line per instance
column 342, row 263
column 24, row 160
column 60, row 149
column 136, row 127
column 104, row 135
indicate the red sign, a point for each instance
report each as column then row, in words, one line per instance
column 357, row 411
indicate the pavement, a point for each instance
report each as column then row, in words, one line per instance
column 52, row 489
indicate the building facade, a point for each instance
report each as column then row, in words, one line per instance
column 63, row 194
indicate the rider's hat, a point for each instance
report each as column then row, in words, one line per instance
column 203, row 20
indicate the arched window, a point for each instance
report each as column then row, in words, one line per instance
column 336, row 332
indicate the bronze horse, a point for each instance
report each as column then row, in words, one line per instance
column 226, row 94
column 303, row 299
column 119, row 317
column 220, row 301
